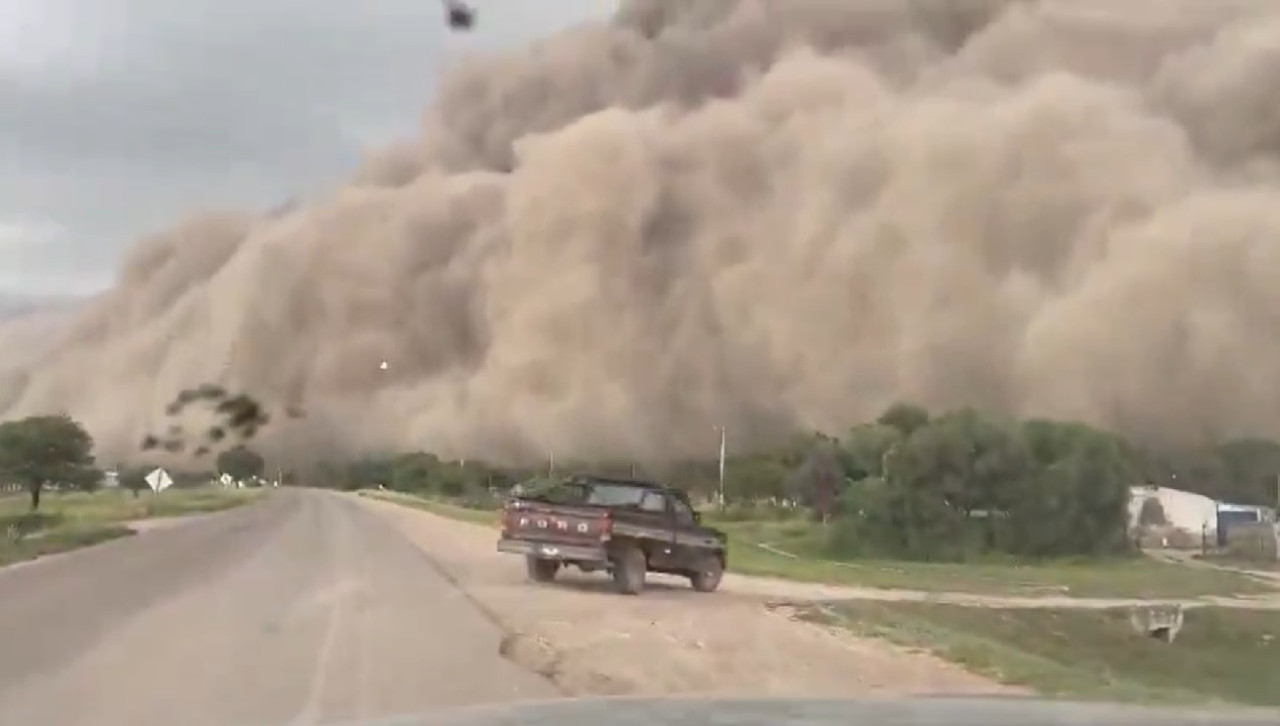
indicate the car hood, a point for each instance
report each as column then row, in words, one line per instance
column 920, row 711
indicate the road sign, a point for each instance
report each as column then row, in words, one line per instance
column 159, row 480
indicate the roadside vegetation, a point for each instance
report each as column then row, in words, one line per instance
column 784, row 550
column 962, row 501
column 1221, row 654
column 70, row 520
column 792, row 551
column 52, row 495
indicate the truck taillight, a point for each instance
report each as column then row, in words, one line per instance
column 606, row 527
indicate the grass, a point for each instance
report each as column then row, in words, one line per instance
column 1135, row 577
column 1118, row 578
column 71, row 520
column 1221, row 655
column 486, row 517
column 60, row 539
column 1242, row 563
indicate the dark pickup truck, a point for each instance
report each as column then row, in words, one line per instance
column 625, row 527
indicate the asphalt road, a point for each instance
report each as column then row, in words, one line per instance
column 302, row 609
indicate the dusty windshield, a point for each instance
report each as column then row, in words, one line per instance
column 893, row 348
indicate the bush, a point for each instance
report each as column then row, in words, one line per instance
column 752, row 511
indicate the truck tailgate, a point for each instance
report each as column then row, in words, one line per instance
column 556, row 523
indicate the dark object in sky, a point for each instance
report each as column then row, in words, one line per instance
column 461, row 16
column 241, row 416
column 204, row 392
column 242, row 413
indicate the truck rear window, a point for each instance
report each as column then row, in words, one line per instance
column 597, row 494
column 615, row 495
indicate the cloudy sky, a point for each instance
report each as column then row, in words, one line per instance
column 119, row 116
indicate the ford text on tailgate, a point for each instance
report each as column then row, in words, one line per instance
column 621, row 526
column 547, row 526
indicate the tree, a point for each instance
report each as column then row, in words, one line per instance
column 967, row 483
column 755, row 478
column 134, row 478
column 819, row 481
column 864, row 449
column 905, row 417
column 241, row 463
column 952, row 480
column 1253, row 466
column 413, row 472
column 1077, row 501
column 42, row 450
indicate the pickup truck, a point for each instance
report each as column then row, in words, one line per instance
column 625, row 527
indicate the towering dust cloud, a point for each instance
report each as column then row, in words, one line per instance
column 770, row 214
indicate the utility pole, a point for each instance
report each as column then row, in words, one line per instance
column 720, row 489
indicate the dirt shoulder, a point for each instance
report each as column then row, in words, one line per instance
column 671, row 640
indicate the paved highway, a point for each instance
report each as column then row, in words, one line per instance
column 301, row 609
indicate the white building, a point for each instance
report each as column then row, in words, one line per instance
column 1187, row 511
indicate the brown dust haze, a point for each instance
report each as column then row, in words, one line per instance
column 768, row 214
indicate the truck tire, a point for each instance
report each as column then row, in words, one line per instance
column 629, row 567
column 541, row 570
column 707, row 577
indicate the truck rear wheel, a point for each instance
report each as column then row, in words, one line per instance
column 706, row 578
column 541, row 570
column 628, row 570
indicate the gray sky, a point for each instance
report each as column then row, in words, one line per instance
column 119, row 116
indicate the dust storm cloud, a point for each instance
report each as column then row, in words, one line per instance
column 770, row 214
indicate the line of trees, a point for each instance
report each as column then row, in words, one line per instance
column 958, row 485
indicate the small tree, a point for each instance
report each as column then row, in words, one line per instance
column 42, row 450
column 241, row 463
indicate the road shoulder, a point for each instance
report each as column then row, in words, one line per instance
column 671, row 640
